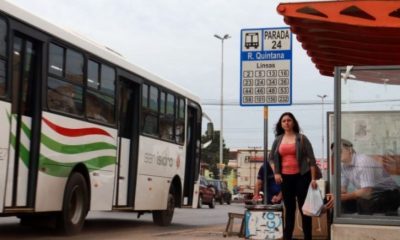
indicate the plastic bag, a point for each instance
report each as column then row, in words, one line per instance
column 314, row 203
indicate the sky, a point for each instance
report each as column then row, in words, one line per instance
column 174, row 39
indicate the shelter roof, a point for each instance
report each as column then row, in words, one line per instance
column 349, row 32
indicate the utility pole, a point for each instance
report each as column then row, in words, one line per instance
column 221, row 150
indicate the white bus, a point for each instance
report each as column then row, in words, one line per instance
column 82, row 129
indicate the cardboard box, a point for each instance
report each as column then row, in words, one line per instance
column 319, row 227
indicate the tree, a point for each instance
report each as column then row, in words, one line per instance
column 210, row 155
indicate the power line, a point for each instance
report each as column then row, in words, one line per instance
column 231, row 102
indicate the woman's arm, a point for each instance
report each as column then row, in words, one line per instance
column 313, row 170
column 276, row 165
column 312, row 162
column 309, row 152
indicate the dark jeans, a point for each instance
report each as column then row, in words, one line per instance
column 295, row 186
column 381, row 201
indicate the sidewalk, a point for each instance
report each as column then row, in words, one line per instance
column 214, row 232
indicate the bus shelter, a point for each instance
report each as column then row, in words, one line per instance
column 357, row 43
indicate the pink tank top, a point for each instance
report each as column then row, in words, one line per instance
column 289, row 161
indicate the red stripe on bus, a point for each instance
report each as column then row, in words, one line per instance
column 75, row 132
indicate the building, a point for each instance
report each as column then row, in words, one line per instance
column 249, row 162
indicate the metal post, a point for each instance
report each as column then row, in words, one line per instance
column 265, row 190
column 322, row 126
column 226, row 36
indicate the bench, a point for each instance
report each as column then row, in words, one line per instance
column 229, row 225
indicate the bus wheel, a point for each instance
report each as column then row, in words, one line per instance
column 75, row 205
column 164, row 217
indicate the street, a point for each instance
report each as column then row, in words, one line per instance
column 204, row 223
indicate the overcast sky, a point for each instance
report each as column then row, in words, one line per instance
column 174, row 39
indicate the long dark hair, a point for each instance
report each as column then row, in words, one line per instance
column 278, row 127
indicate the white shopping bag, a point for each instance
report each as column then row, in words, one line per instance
column 313, row 204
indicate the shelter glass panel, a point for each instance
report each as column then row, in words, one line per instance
column 369, row 149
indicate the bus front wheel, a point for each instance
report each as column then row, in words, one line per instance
column 75, row 205
column 164, row 217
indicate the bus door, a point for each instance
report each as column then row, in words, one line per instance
column 25, row 121
column 128, row 135
column 193, row 140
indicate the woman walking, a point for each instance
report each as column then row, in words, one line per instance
column 294, row 167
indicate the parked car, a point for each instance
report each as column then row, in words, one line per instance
column 207, row 193
column 237, row 197
column 222, row 192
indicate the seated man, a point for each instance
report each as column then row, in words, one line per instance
column 274, row 194
column 366, row 187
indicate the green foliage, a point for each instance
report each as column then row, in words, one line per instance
column 210, row 155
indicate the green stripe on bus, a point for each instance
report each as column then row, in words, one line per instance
column 69, row 149
column 23, row 152
column 57, row 169
column 73, row 149
column 8, row 116
column 25, row 129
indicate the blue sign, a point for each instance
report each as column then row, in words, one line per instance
column 266, row 67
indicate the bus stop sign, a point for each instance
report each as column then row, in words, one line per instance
column 266, row 67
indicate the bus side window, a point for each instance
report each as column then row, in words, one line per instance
column 150, row 124
column 163, row 118
column 64, row 84
column 100, row 103
column 3, row 57
column 150, row 105
column 167, row 116
column 64, row 97
column 180, row 121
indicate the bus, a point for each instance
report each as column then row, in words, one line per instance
column 251, row 40
column 85, row 130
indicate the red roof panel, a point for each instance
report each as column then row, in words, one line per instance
column 340, row 33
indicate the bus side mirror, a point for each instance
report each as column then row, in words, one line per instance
column 210, row 130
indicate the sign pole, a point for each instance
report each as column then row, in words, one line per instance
column 265, row 154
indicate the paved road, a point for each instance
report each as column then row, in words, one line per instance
column 201, row 223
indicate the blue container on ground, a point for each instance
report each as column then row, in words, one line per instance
column 264, row 222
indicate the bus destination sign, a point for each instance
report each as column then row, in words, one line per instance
column 266, row 67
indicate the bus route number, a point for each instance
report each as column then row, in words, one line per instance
column 247, row 82
column 283, row 90
column 283, row 99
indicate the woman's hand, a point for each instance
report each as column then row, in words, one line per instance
column 278, row 178
column 314, row 184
